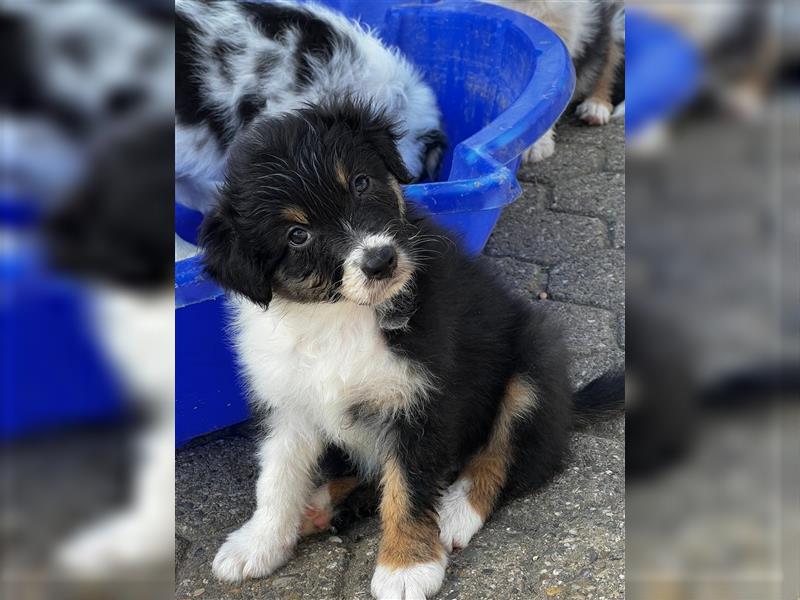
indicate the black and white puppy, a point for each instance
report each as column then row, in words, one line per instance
column 240, row 60
column 364, row 332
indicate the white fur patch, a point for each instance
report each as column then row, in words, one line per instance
column 543, row 148
column 619, row 111
column 594, row 112
column 458, row 521
column 317, row 361
column 250, row 552
column 412, row 583
column 288, row 460
column 358, row 288
column 318, row 510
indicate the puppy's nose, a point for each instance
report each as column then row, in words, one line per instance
column 380, row 262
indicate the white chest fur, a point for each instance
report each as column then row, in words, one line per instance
column 318, row 361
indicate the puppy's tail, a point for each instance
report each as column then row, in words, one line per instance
column 602, row 397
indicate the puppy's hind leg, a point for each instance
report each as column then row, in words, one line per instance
column 470, row 500
column 321, row 505
column 597, row 108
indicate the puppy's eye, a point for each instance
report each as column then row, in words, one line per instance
column 360, row 184
column 298, row 236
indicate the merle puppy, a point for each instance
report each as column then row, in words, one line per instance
column 237, row 61
column 367, row 333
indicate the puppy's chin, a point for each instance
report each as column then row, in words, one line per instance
column 357, row 288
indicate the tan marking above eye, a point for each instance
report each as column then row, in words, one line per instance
column 341, row 174
column 398, row 191
column 292, row 213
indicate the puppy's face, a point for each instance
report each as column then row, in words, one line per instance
column 312, row 210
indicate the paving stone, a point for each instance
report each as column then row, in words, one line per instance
column 616, row 228
column 569, row 160
column 545, row 237
column 596, row 195
column 595, row 278
column 526, row 279
column 587, row 330
column 615, row 158
column 586, row 367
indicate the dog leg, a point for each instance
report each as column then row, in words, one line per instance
column 322, row 503
column 469, row 501
column 411, row 560
column 596, row 109
column 289, row 457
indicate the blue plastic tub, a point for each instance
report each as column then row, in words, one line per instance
column 501, row 78
column 52, row 373
column 662, row 70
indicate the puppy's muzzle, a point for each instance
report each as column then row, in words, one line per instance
column 379, row 262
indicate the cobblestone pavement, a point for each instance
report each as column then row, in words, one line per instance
column 565, row 237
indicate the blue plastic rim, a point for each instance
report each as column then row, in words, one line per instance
column 663, row 70
column 502, row 79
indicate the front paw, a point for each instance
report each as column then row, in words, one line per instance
column 594, row 111
column 251, row 551
column 126, row 541
column 544, row 148
column 416, row 582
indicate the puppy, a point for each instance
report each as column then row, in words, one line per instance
column 364, row 332
column 237, row 61
column 594, row 34
column 115, row 233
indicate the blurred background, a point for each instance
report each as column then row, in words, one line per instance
column 713, row 300
column 86, row 302
column 86, row 314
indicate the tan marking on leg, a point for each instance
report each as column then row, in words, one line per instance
column 341, row 174
column 292, row 213
column 601, row 93
column 340, row 489
column 488, row 469
column 407, row 539
column 398, row 191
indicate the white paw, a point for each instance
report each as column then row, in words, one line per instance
column 126, row 541
column 251, row 551
column 458, row 521
column 318, row 512
column 411, row 583
column 594, row 112
column 543, row 148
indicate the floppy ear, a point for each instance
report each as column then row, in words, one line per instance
column 228, row 261
column 384, row 142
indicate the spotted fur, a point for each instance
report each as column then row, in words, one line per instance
column 241, row 61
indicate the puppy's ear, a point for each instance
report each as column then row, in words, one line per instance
column 229, row 262
column 384, row 142
column 434, row 145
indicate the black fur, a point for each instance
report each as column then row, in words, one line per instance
column 117, row 226
column 467, row 331
column 190, row 104
column 316, row 40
